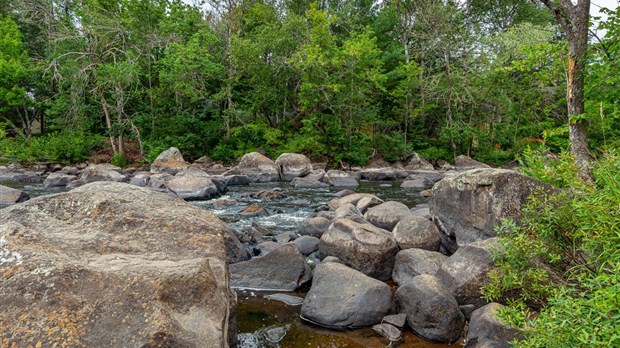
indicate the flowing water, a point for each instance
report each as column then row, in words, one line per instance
column 272, row 324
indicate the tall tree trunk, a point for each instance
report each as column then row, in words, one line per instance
column 574, row 21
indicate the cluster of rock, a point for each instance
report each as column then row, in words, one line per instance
column 438, row 257
column 146, row 246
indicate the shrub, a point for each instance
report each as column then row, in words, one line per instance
column 564, row 258
column 65, row 147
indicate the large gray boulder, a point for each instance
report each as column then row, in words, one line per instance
column 431, row 310
column 170, row 161
column 468, row 206
column 110, row 263
column 411, row 263
column 362, row 247
column 415, row 231
column 466, row 271
column 308, row 183
column 387, row 215
column 258, row 168
column 102, row 172
column 417, row 184
column 417, row 162
column 341, row 297
column 293, row 165
column 10, row 195
column 58, row 179
column 19, row 176
column 192, row 187
column 282, row 269
column 349, row 211
column 338, row 178
column 486, row 329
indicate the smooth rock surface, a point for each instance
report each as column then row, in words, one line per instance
column 314, row 227
column 417, row 232
column 111, row 264
column 307, row 244
column 293, row 165
column 338, row 178
column 387, row 215
column 258, row 168
column 463, row 163
column 431, row 310
column 10, row 195
column 102, row 172
column 192, row 187
column 411, row 263
column 58, row 179
column 283, row 269
column 465, row 272
column 342, row 297
column 362, row 247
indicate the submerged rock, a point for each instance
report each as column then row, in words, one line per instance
column 110, row 263
column 341, row 297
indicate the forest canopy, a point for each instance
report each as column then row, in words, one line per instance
column 336, row 80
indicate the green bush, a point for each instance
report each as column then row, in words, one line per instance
column 65, row 147
column 563, row 260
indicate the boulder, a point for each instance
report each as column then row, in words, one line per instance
column 417, row 232
column 237, row 180
column 431, row 175
column 159, row 181
column 486, row 329
column 308, row 183
column 417, row 162
column 362, row 247
column 58, row 179
column 367, row 202
column 192, row 187
column 102, row 172
column 110, row 263
column 468, row 206
column 170, row 161
column 314, row 227
column 353, row 198
column 342, row 193
column 422, row 210
column 70, row 170
column 383, row 174
column 387, row 215
column 293, row 165
column 411, row 263
column 338, row 178
column 463, row 163
column 417, row 184
column 283, row 269
column 10, row 195
column 140, row 179
column 307, row 244
column 258, row 168
column 465, row 272
column 431, row 310
column 341, row 297
column 19, row 176
column 349, row 211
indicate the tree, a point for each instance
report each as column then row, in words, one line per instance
column 574, row 20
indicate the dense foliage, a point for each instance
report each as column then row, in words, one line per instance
column 339, row 80
column 564, row 258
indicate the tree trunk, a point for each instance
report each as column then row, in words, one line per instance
column 574, row 21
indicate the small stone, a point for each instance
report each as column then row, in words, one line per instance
column 398, row 320
column 285, row 298
column 388, row 331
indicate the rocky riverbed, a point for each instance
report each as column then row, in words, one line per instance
column 369, row 261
